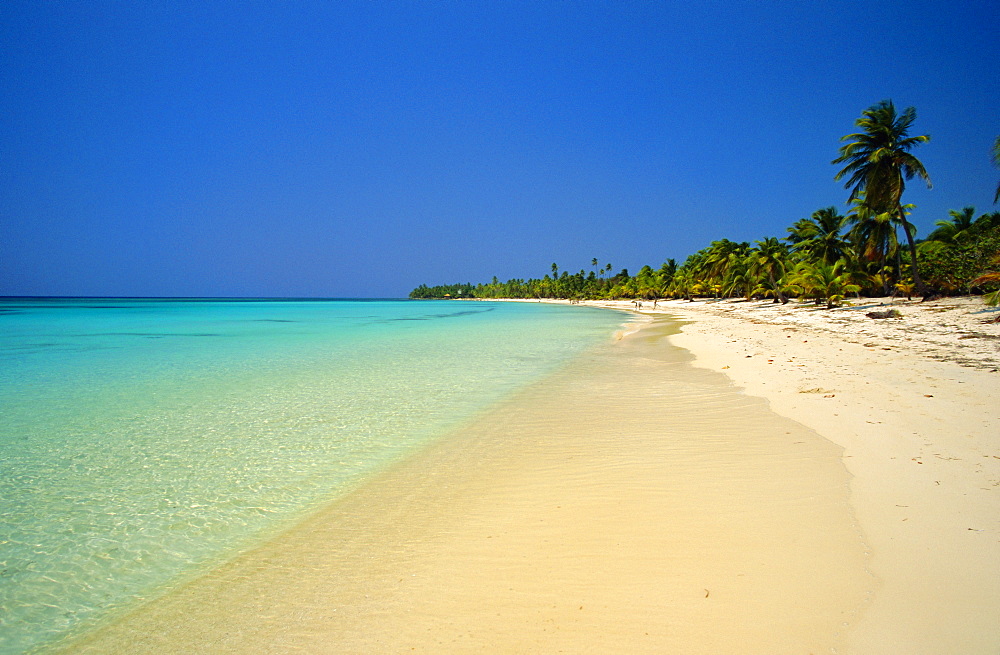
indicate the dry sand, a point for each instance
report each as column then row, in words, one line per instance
column 630, row 503
column 915, row 404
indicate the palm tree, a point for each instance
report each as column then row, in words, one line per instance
column 874, row 235
column 683, row 284
column 741, row 278
column 825, row 282
column 718, row 260
column 879, row 163
column 668, row 269
column 819, row 235
column 800, row 232
column 952, row 230
column 768, row 259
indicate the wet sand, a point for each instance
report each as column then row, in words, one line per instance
column 629, row 503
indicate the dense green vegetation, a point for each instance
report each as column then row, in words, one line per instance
column 825, row 257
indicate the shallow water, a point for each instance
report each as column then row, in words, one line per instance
column 626, row 503
column 144, row 441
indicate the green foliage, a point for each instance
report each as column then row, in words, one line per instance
column 879, row 162
column 424, row 292
column 819, row 235
column 877, row 158
column 819, row 261
column 956, row 228
column 824, row 282
column 955, row 268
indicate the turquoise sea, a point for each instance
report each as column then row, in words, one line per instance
column 143, row 441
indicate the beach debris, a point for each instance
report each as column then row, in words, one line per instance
column 928, row 395
column 707, row 592
column 889, row 313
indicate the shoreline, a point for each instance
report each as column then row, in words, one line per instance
column 557, row 521
column 912, row 401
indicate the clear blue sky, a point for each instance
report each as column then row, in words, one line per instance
column 362, row 148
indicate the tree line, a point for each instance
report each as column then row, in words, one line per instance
column 824, row 257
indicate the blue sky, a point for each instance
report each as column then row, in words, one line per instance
column 349, row 149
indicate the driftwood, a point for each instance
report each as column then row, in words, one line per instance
column 889, row 313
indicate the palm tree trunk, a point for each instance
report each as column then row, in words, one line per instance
column 881, row 270
column 918, row 283
column 778, row 296
column 898, row 264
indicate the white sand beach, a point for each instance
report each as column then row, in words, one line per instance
column 913, row 402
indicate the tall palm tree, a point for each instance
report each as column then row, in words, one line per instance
column 879, row 162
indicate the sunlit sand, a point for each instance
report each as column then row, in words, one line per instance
column 629, row 503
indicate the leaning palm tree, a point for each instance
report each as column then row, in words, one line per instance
column 879, row 162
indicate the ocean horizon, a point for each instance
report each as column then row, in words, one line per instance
column 144, row 441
